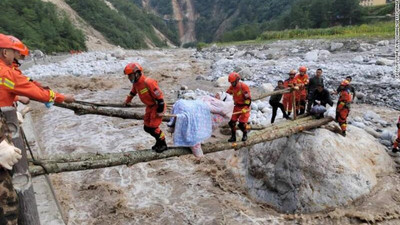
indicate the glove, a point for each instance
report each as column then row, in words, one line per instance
column 49, row 104
column 318, row 102
column 245, row 110
column 9, row 155
column 20, row 118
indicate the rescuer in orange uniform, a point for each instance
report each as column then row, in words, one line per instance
column 302, row 81
column 13, row 83
column 151, row 95
column 24, row 52
column 288, row 97
column 397, row 141
column 242, row 100
column 343, row 106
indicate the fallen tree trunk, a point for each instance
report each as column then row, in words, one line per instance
column 278, row 92
column 80, row 109
column 113, row 105
column 95, row 161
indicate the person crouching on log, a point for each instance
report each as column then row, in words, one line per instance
column 397, row 141
column 151, row 95
column 242, row 101
column 343, row 106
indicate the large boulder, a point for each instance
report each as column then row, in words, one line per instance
column 309, row 173
column 222, row 82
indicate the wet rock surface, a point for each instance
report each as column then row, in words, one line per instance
column 309, row 173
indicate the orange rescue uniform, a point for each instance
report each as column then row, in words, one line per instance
column 288, row 97
column 301, row 94
column 343, row 108
column 242, row 100
column 13, row 83
column 149, row 93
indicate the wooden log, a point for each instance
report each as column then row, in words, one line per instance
column 113, row 105
column 22, row 181
column 278, row 92
column 80, row 109
column 95, row 161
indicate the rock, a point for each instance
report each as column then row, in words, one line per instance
column 383, row 43
column 387, row 135
column 309, row 173
column 244, row 73
column 323, row 54
column 268, row 87
column 184, row 87
column 372, row 132
column 254, row 106
column 353, row 46
column 222, row 82
column 386, row 143
column 370, row 115
column 311, row 56
column 360, row 96
column 200, row 77
column 359, row 124
column 266, row 110
column 336, row 46
column 358, row 59
column 384, row 62
column 295, row 50
column 358, row 119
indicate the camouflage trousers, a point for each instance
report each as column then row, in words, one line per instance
column 8, row 199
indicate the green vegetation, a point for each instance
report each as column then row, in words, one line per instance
column 37, row 24
column 383, row 29
column 130, row 27
column 163, row 7
column 304, row 15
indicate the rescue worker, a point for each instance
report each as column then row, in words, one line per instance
column 351, row 88
column 397, row 141
column 151, row 95
column 301, row 95
column 322, row 97
column 288, row 97
column 312, row 86
column 24, row 52
column 343, row 106
column 242, row 101
column 13, row 83
column 275, row 102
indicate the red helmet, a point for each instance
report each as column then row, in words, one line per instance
column 345, row 83
column 19, row 46
column 233, row 77
column 5, row 42
column 132, row 68
column 303, row 69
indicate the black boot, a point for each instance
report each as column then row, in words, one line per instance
column 344, row 133
column 161, row 146
column 244, row 138
column 233, row 137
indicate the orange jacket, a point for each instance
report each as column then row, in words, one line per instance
column 344, row 96
column 241, row 94
column 289, row 83
column 13, row 83
column 148, row 91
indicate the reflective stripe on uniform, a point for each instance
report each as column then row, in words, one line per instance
column 52, row 96
column 6, row 82
column 144, row 90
